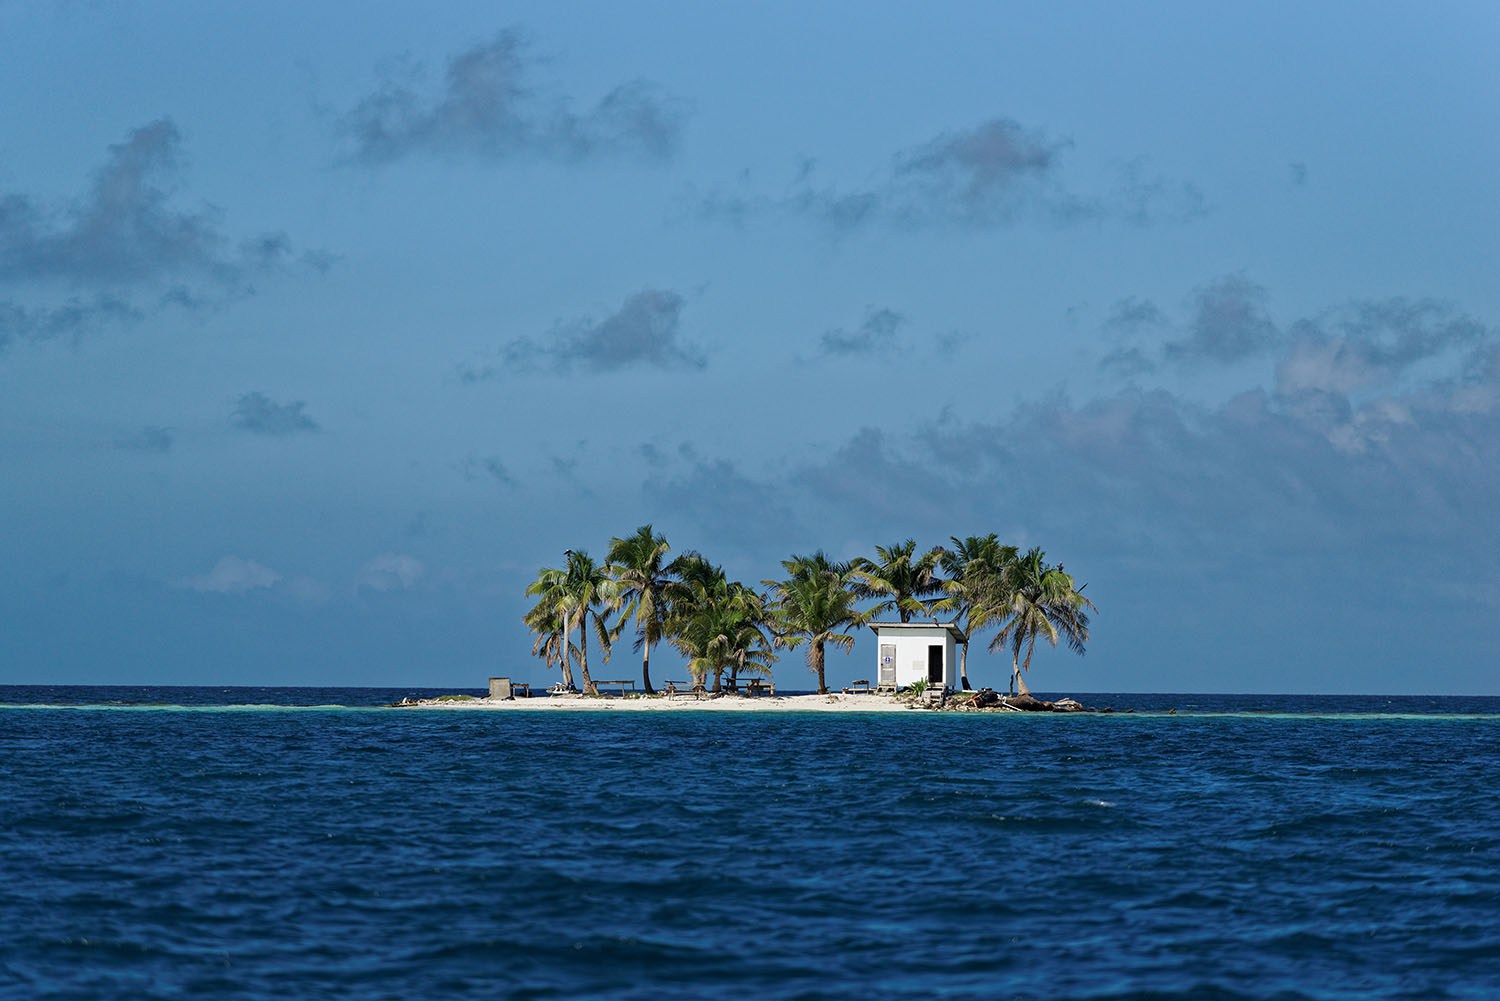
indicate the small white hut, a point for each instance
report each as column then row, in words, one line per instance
column 917, row 651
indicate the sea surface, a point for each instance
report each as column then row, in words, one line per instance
column 309, row 843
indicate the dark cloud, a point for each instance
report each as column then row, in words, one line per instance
column 1144, row 199
column 73, row 317
column 124, row 249
column 153, row 439
column 995, row 174
column 1368, row 349
column 876, row 333
column 981, row 175
column 714, row 496
column 487, row 467
column 489, row 107
column 644, row 333
column 259, row 414
column 1131, row 322
column 1366, row 480
column 1229, row 324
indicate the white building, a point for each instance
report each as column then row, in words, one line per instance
column 917, row 651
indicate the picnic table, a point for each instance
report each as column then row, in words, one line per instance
column 621, row 684
column 684, row 688
column 860, row 687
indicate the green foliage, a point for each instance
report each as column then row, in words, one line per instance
column 899, row 579
column 720, row 625
column 816, row 604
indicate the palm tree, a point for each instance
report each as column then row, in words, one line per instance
column 551, row 639
column 716, row 623
column 903, row 581
column 816, row 604
column 1036, row 600
column 643, row 581
column 588, row 593
column 974, row 566
column 547, row 619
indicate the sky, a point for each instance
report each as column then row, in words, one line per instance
column 323, row 329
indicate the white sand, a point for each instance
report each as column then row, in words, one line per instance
column 722, row 703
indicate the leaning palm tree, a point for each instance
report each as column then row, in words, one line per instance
column 1036, row 600
column 816, row 604
column 899, row 579
column 643, row 579
column 975, row 566
column 587, row 595
column 552, row 642
column 548, row 620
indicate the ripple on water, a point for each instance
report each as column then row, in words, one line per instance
column 337, row 854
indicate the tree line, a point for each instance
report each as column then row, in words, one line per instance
column 722, row 626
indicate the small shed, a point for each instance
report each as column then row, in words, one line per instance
column 917, row 651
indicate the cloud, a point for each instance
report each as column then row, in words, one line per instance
column 158, row 440
column 1381, row 438
column 489, row 467
column 259, row 414
column 1345, row 350
column 489, row 107
column 72, row 318
column 876, row 333
column 716, row 497
column 233, row 575
column 645, row 332
column 1145, row 199
column 123, row 250
column 991, row 175
column 390, row 572
column 981, row 175
column 1229, row 324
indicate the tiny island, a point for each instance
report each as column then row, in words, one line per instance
column 922, row 607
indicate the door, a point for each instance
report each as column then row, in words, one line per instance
column 887, row 665
column 935, row 664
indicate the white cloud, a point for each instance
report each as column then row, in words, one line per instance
column 233, row 575
column 390, row 572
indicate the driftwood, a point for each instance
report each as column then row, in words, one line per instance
column 987, row 699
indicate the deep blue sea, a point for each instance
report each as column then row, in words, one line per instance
column 306, row 843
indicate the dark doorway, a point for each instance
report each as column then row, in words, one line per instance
column 935, row 664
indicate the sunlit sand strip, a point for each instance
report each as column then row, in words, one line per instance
column 722, row 703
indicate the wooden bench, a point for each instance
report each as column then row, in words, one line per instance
column 684, row 689
column 860, row 687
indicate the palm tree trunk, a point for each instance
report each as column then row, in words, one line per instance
column 963, row 666
column 817, row 665
column 567, row 660
column 583, row 655
column 646, row 670
column 1020, row 678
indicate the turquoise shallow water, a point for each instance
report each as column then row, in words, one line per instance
column 1227, row 851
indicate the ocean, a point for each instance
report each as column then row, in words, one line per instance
column 307, row 843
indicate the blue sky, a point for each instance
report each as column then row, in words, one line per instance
column 321, row 330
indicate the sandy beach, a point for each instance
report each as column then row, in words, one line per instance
column 722, row 703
